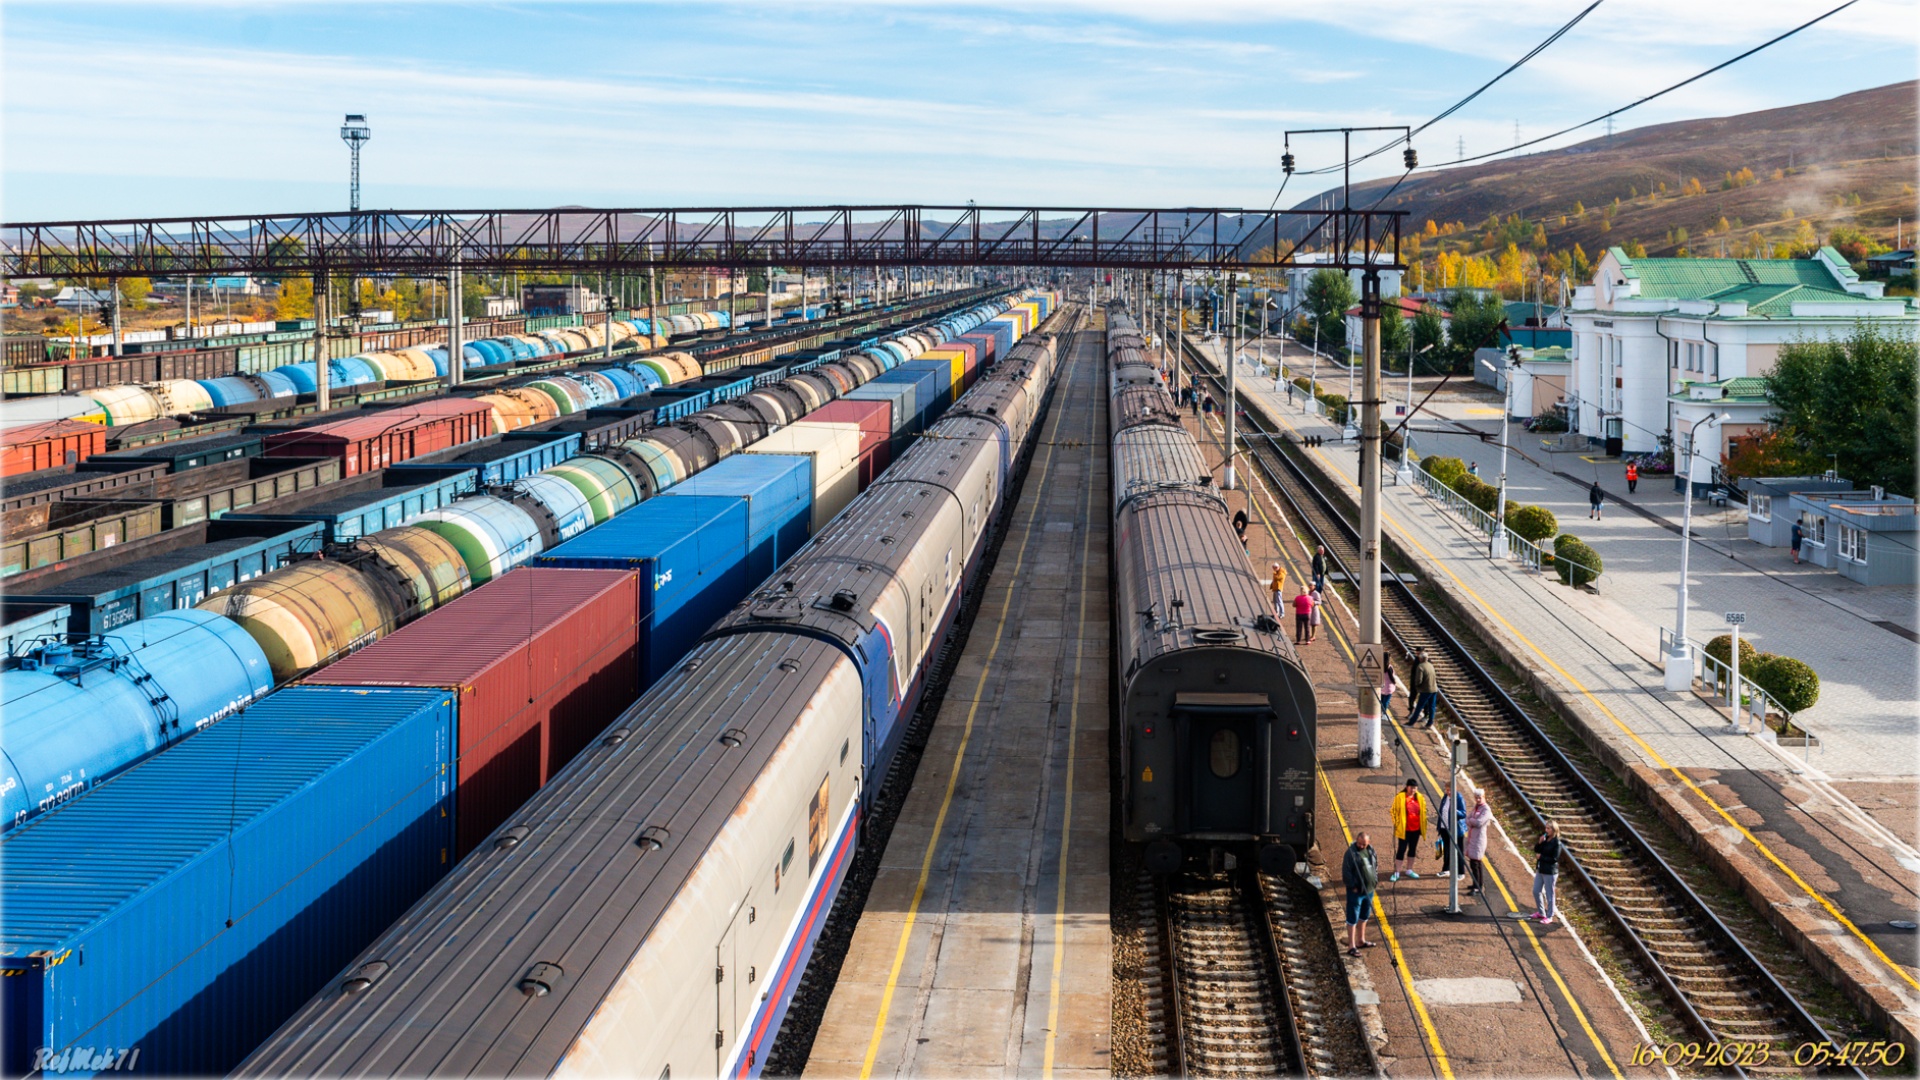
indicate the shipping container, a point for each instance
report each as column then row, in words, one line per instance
column 902, row 401
column 388, row 437
column 292, row 837
column 69, row 530
column 538, row 662
column 49, row 445
column 227, row 553
column 400, row 496
column 875, row 421
column 691, row 556
column 77, row 713
column 834, row 449
column 948, row 378
column 779, row 493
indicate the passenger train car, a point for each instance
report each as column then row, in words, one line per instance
column 701, row 841
column 1217, row 751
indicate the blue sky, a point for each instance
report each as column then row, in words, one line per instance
column 153, row 108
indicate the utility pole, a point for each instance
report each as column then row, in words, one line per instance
column 653, row 292
column 1370, row 637
column 1228, row 481
column 322, row 290
column 113, row 295
column 1679, row 673
column 606, row 319
column 1497, row 542
column 456, row 315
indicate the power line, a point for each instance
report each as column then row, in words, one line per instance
column 1608, row 116
column 1463, row 102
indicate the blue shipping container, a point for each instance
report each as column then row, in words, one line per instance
column 691, row 552
column 402, row 496
column 779, row 493
column 944, row 370
column 235, row 549
column 186, row 909
column 932, row 388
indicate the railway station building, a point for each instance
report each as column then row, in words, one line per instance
column 1645, row 329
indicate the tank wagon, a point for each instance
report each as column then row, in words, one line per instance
column 743, row 777
column 1217, row 747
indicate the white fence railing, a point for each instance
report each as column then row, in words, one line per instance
column 1750, row 704
column 1512, row 545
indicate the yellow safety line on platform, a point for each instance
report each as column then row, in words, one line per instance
column 1651, row 753
column 1066, row 817
column 1393, row 943
column 1339, row 636
column 953, row 779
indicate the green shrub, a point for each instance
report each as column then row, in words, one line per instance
column 1534, row 523
column 1336, row 406
column 1564, row 539
column 1721, row 649
column 1478, row 492
column 1565, row 558
column 1787, row 681
column 1444, row 469
column 1303, row 385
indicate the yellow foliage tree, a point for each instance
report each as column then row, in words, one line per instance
column 294, row 300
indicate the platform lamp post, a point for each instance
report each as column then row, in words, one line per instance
column 1679, row 673
column 1496, row 543
column 1405, row 473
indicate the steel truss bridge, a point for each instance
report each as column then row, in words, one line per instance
column 625, row 241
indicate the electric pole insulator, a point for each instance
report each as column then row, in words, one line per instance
column 1412, row 158
column 1286, row 163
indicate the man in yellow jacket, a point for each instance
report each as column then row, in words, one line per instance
column 1410, row 814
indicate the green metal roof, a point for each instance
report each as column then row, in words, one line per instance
column 1779, row 299
column 1701, row 279
column 1747, row 388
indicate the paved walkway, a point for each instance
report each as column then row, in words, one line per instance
column 984, row 948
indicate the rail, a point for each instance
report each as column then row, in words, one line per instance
column 1509, row 742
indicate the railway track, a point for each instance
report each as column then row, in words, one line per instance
column 1702, row 955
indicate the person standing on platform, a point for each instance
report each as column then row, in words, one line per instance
column 1410, row 814
column 1546, row 874
column 1388, row 683
column 1302, row 616
column 1278, row 587
column 1797, row 536
column 1473, row 468
column 1320, row 567
column 1596, row 498
column 1452, row 830
column 1426, row 691
column 1475, row 845
column 1633, row 477
column 1240, row 528
column 1360, row 871
column 1313, row 617
column 1206, row 406
column 1193, row 401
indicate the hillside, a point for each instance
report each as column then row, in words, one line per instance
column 1846, row 162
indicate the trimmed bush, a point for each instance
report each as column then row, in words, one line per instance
column 1564, row 539
column 1444, row 469
column 1534, row 523
column 1478, row 492
column 1788, row 681
column 1565, row 556
column 1303, row 385
column 1721, row 649
column 1336, row 406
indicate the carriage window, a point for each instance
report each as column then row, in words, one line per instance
column 1223, row 753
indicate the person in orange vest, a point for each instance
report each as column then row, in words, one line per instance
column 1278, row 586
column 1409, row 819
column 1633, row 476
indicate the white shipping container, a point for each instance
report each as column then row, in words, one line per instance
column 835, row 450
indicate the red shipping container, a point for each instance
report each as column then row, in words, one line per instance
column 31, row 447
column 542, row 659
column 985, row 344
column 379, row 439
column 876, row 431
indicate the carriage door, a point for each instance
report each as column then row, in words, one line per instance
column 1222, row 747
column 735, row 982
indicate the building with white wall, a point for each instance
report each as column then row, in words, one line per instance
column 1646, row 328
column 1305, row 265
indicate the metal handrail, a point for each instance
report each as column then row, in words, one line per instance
column 1748, row 700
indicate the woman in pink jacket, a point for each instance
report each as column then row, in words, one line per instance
column 1479, row 819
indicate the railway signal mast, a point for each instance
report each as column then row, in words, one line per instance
column 355, row 133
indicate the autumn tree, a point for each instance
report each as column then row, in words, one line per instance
column 294, row 299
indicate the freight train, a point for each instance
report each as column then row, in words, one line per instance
column 1217, row 754
column 299, row 829
column 306, row 613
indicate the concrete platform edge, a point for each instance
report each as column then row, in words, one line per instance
column 1820, row 940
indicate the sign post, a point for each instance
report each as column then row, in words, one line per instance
column 1736, row 720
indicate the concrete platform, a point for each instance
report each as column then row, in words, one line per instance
column 984, row 949
column 1824, row 846
column 1472, row 994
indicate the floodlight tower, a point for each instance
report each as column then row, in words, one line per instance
column 355, row 133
